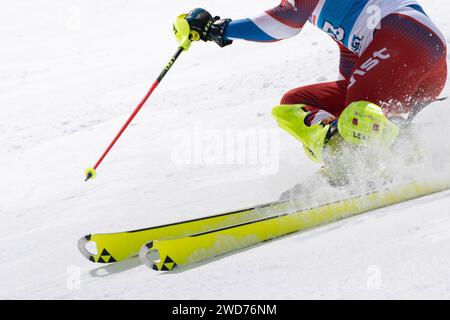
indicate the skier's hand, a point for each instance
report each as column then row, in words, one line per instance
column 208, row 27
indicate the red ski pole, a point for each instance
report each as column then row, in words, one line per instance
column 185, row 37
column 91, row 172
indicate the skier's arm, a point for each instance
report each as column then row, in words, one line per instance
column 282, row 22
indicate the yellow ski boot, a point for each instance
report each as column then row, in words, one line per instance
column 363, row 122
column 292, row 118
column 358, row 152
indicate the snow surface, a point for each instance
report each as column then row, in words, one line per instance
column 71, row 73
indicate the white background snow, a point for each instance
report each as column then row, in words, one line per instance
column 70, row 74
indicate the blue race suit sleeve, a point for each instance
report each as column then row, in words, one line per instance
column 284, row 21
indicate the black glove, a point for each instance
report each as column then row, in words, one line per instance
column 208, row 27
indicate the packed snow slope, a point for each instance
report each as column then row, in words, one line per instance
column 72, row 72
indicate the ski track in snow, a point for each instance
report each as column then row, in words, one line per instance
column 69, row 77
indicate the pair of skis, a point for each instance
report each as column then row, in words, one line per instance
column 162, row 248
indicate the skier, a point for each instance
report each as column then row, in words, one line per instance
column 392, row 65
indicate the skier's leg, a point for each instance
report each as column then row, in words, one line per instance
column 402, row 69
column 328, row 96
column 307, row 113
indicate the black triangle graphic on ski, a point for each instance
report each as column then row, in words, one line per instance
column 155, row 267
column 149, row 245
column 105, row 253
column 100, row 260
column 168, row 260
column 88, row 237
column 91, row 258
column 164, row 268
column 111, row 259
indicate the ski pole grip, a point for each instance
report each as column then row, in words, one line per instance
column 183, row 32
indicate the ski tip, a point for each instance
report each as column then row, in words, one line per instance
column 144, row 254
column 151, row 257
column 100, row 254
column 82, row 248
column 90, row 174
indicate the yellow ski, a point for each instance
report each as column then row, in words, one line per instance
column 164, row 255
column 114, row 247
